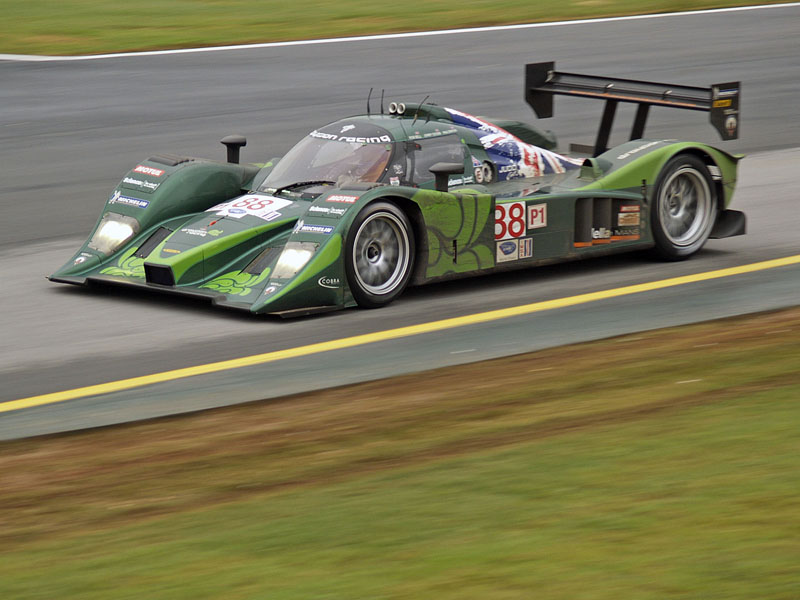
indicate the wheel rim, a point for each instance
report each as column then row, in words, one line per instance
column 381, row 253
column 685, row 206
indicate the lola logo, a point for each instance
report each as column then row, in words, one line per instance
column 329, row 282
column 347, row 128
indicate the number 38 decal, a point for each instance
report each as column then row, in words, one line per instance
column 509, row 220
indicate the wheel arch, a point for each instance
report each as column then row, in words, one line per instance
column 715, row 171
column 413, row 213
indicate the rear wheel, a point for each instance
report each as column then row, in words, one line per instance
column 685, row 208
column 379, row 254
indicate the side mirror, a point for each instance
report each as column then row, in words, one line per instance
column 233, row 143
column 442, row 172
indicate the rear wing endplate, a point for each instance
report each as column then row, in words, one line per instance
column 542, row 82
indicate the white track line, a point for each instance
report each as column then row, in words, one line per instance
column 389, row 36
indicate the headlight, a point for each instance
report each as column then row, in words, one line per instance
column 113, row 231
column 293, row 258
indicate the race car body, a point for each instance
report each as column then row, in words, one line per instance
column 361, row 208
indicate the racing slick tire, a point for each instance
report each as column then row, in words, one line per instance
column 379, row 254
column 685, row 208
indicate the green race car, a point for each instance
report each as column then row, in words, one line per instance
column 365, row 206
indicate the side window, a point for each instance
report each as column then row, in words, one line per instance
column 447, row 148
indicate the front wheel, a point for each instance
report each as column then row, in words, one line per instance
column 379, row 254
column 684, row 209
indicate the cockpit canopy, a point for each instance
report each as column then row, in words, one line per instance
column 341, row 153
column 352, row 151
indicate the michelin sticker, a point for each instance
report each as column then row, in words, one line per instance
column 118, row 198
column 303, row 227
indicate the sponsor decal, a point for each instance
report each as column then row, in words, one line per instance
column 628, row 208
column 398, row 169
column 630, row 153
column 171, row 251
column 722, row 103
column 601, row 233
column 395, row 181
column 431, row 134
column 145, row 185
column 526, row 248
column 118, row 198
column 148, row 171
column 347, row 128
column 82, row 258
column 302, row 227
column 626, row 234
column 628, row 219
column 718, row 93
column 190, row 231
column 380, row 139
column 507, row 250
column 329, row 211
column 272, row 288
column 341, row 198
column 256, row 205
column 537, row 216
column 509, row 220
column 201, row 232
column 730, row 125
column 329, row 282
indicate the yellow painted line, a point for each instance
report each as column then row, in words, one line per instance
column 390, row 334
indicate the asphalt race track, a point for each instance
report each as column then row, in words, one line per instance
column 70, row 130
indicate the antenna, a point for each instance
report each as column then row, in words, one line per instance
column 416, row 112
column 368, row 97
column 382, row 90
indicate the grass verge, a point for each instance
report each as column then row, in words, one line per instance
column 100, row 26
column 659, row 465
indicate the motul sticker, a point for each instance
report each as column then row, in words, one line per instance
column 341, row 198
column 148, row 171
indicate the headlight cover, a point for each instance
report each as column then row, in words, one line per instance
column 293, row 258
column 113, row 231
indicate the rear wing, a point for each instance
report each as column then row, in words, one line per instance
column 542, row 82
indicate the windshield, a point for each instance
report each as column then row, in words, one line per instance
column 340, row 159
